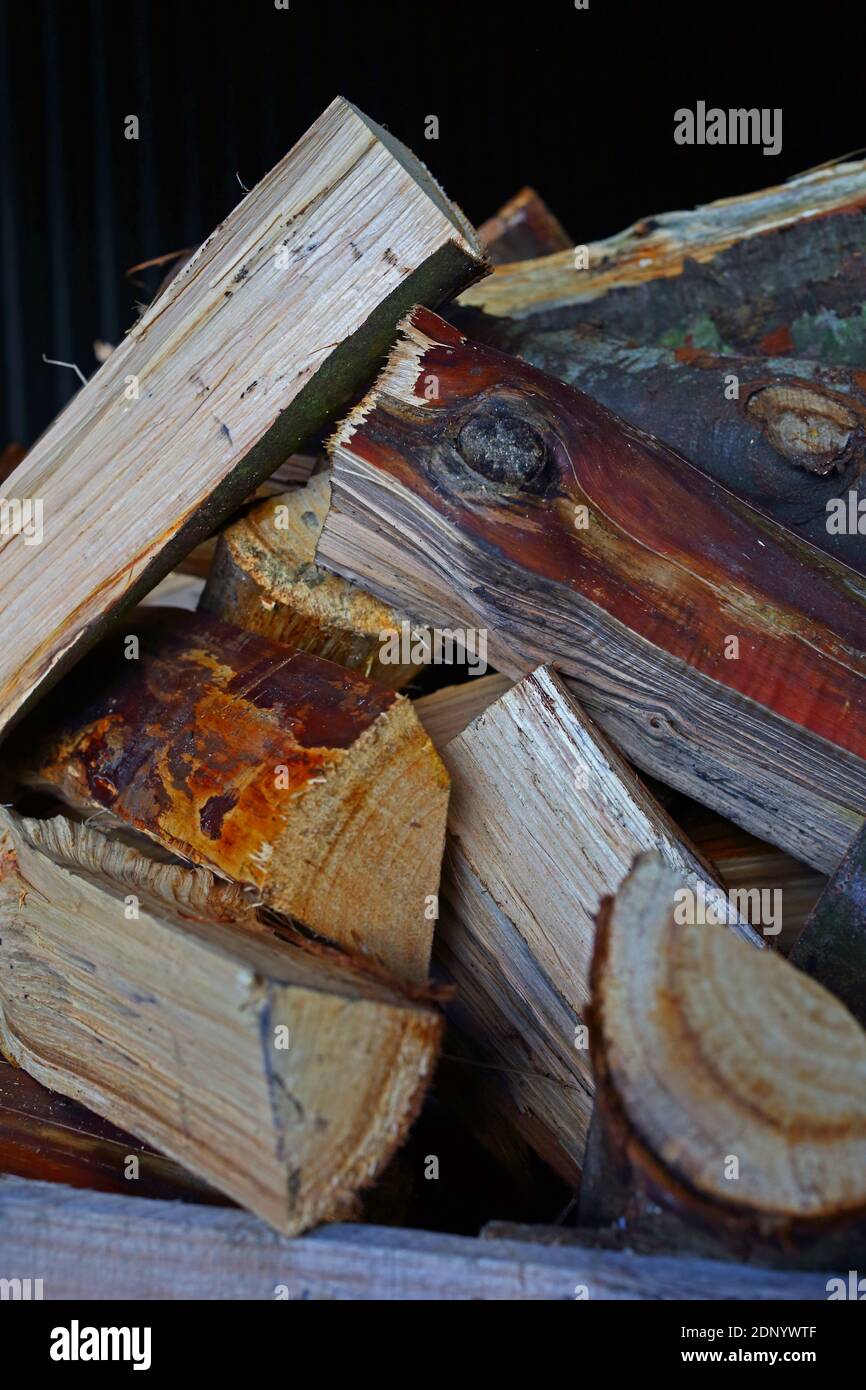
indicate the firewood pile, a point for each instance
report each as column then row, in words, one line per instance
column 433, row 693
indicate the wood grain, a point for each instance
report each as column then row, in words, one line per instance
column 283, row 1075
column 545, row 820
column 722, row 654
column 278, row 318
column 307, row 783
column 96, row 1246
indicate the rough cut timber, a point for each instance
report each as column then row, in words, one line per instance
column 47, row 1136
column 545, row 820
column 721, row 653
column 264, row 578
column 832, row 945
column 791, row 441
column 523, row 229
column 733, row 1084
column 446, row 712
column 274, row 768
column 99, row 1246
column 283, row 1075
column 279, row 317
column 782, row 270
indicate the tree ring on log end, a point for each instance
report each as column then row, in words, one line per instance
column 807, row 427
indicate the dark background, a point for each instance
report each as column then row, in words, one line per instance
column 580, row 104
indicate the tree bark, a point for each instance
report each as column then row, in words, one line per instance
column 779, row 271
column 789, row 437
column 832, row 945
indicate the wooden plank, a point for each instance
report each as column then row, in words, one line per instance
column 782, row 270
column 280, row 316
column 722, row 654
column 99, row 1246
column 280, row 1073
column 731, row 1083
column 545, row 820
column 786, row 435
column 315, row 788
column 832, row 944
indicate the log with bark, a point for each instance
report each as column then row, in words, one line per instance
column 732, row 1085
column 545, row 820
column 283, row 772
column 264, row 578
column 832, row 944
column 778, row 271
column 523, row 229
column 721, row 653
column 280, row 316
column 786, row 435
column 283, row 1074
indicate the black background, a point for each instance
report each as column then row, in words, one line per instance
column 578, row 103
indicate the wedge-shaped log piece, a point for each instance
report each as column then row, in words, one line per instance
column 273, row 767
column 277, row 319
column 786, row 435
column 265, row 579
column 545, row 820
column 832, row 944
column 722, row 654
column 523, row 229
column 445, row 713
column 782, row 270
column 283, row 1075
column 734, row 1084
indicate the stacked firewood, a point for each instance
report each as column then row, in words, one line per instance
column 261, row 846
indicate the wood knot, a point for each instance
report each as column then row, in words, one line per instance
column 502, row 447
column 808, row 427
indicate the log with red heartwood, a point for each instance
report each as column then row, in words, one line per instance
column 722, row 654
column 281, row 771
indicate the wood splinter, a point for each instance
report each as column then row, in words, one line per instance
column 732, row 1084
column 278, row 770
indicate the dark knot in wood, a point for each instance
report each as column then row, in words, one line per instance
column 502, row 447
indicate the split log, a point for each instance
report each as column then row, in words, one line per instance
column 733, row 1085
column 748, row 868
column 283, row 1075
column 47, row 1136
column 832, row 945
column 720, row 652
column 100, row 1246
column 523, row 229
column 445, row 713
column 545, row 820
column 279, row 317
column 791, row 441
column 275, row 768
column 264, row 579
column 782, row 270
